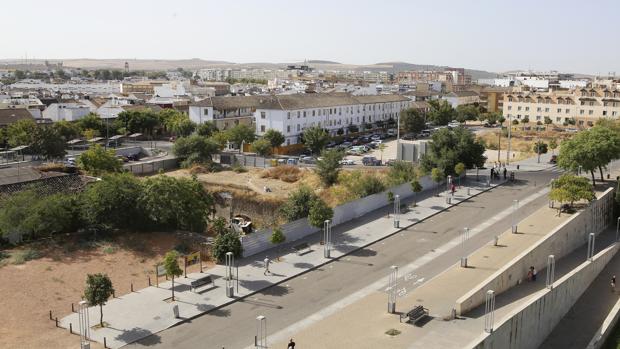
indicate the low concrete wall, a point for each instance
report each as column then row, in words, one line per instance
column 153, row 166
column 607, row 327
column 529, row 326
column 560, row 242
column 259, row 241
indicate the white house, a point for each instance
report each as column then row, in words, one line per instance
column 66, row 111
column 292, row 114
column 461, row 97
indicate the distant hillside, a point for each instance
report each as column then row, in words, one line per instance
column 196, row 63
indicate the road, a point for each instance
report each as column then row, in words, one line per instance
column 304, row 296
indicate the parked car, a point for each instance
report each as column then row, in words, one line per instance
column 409, row 137
column 425, row 133
column 347, row 162
column 454, row 124
column 391, row 132
column 390, row 162
column 346, row 144
column 370, row 161
column 375, row 137
column 375, row 143
column 291, row 161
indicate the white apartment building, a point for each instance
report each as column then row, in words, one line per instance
column 225, row 112
column 66, row 111
column 584, row 105
column 292, row 114
column 461, row 98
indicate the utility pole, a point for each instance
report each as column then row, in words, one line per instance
column 509, row 137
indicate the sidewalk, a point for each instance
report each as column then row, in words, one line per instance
column 144, row 312
column 438, row 295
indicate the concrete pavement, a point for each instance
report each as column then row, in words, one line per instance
column 312, row 296
column 139, row 314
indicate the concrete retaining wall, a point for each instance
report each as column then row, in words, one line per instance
column 153, row 166
column 606, row 328
column 563, row 240
column 530, row 325
column 259, row 241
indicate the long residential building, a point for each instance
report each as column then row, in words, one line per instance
column 292, row 114
column 585, row 105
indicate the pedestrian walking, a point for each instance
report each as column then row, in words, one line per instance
column 613, row 284
column 452, row 189
column 492, row 173
column 529, row 274
column 505, row 172
column 266, row 267
column 534, row 274
column 291, row 344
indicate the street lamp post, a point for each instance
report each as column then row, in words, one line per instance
column 489, row 311
column 84, row 325
column 550, row 271
column 515, row 207
column 392, row 289
column 464, row 238
column 230, row 260
column 509, row 138
column 396, row 211
column 327, row 230
column 260, row 339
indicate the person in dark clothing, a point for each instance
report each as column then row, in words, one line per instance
column 291, row 344
column 492, row 173
column 505, row 172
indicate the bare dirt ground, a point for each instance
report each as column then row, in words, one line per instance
column 30, row 290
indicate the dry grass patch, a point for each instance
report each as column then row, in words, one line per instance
column 286, row 173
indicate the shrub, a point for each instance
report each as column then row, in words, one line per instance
column 227, row 242
column 297, row 205
column 319, row 212
column 328, row 167
column 22, row 256
column 401, row 172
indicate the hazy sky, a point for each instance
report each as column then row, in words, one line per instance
column 496, row 35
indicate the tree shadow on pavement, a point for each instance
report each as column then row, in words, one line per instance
column 144, row 337
column 364, row 252
column 303, row 265
column 220, row 312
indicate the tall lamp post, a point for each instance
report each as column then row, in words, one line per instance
column 509, row 138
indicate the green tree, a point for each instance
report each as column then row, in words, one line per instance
column 21, row 132
column 195, row 149
column 191, row 202
column 319, row 213
column 96, row 161
column 467, row 112
column 277, row 237
column 328, row 166
column 227, row 242
column 206, row 129
column 401, row 172
column 515, row 122
column 605, row 146
column 459, row 169
column 525, row 120
column 92, row 122
column 67, row 130
column 570, row 188
column 171, row 266
column 113, row 202
column 47, row 142
column 262, row 147
column 441, row 112
column 548, row 121
column 553, row 144
column 413, row 120
column 315, row 139
column 416, row 187
column 540, row 146
column 138, row 121
column 275, row 137
column 449, row 147
column 437, row 176
column 297, row 205
column 390, row 199
column 241, row 134
column 97, row 292
column 177, row 123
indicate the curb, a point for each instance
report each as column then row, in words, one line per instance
column 237, row 299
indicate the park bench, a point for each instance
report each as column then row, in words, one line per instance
column 201, row 282
column 301, row 247
column 415, row 314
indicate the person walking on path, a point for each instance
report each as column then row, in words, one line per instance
column 505, row 172
column 291, row 344
column 533, row 274
column 452, row 189
column 613, row 284
column 492, row 174
column 266, row 267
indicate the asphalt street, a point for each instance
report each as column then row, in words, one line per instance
column 234, row 326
